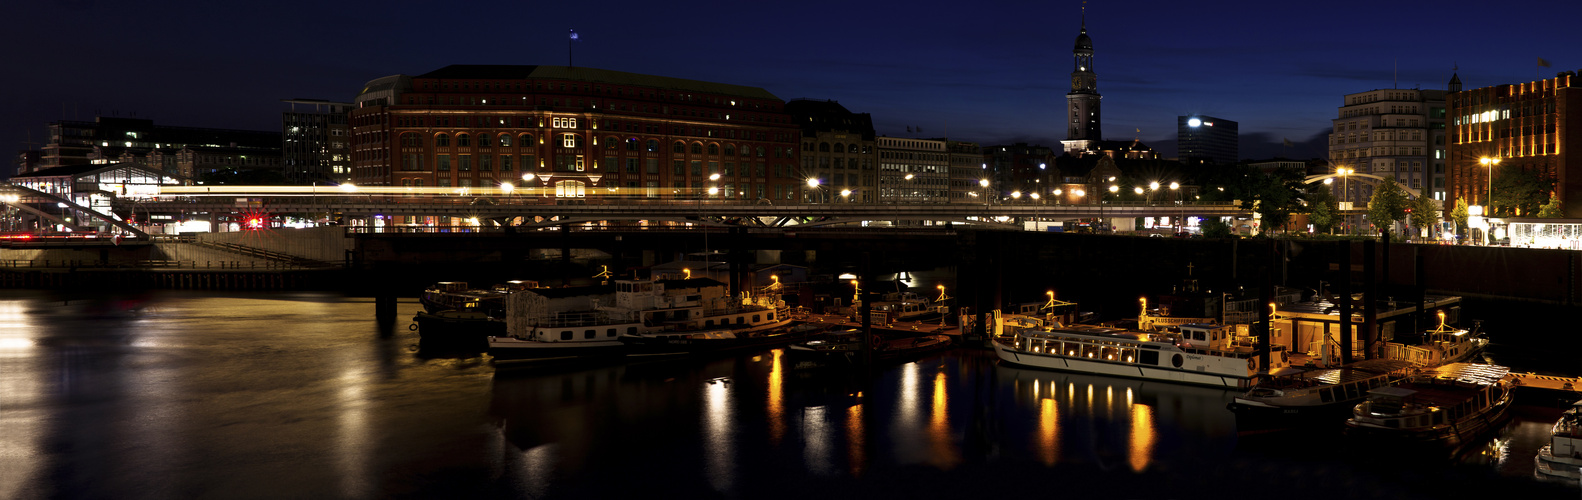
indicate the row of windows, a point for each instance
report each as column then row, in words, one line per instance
column 824, row 147
column 539, row 86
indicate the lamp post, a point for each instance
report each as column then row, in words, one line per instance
column 1175, row 195
column 1490, row 163
column 1036, row 205
column 984, row 183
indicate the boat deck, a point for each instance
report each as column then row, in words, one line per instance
column 897, row 327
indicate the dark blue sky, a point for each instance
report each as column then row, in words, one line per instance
column 986, row 71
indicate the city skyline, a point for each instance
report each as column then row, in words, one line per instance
column 995, row 74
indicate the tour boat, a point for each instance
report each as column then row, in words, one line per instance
column 1441, row 409
column 1200, row 354
column 589, row 321
column 1561, row 459
column 1442, row 345
column 1314, row 397
column 845, row 348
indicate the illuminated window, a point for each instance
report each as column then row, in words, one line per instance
column 505, row 140
column 568, row 140
column 570, row 189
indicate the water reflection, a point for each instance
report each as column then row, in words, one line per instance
column 719, row 448
column 1113, row 421
column 21, row 396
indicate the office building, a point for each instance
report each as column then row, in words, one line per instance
column 1205, row 139
column 314, row 141
column 913, row 170
column 1394, row 133
column 563, row 131
column 838, row 149
column 1528, row 126
column 185, row 151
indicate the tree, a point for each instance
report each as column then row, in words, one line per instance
column 1425, row 213
column 1277, row 195
column 1388, row 204
column 1459, row 216
column 1214, row 228
column 1519, row 192
column 1323, row 208
column 1552, row 209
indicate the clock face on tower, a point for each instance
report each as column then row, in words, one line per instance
column 1076, row 82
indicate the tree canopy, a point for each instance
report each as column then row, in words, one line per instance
column 1519, row 192
column 1425, row 214
column 1388, row 205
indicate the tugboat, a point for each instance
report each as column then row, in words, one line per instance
column 1561, row 459
column 1443, row 409
column 455, row 316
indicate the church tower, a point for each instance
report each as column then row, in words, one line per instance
column 1082, row 103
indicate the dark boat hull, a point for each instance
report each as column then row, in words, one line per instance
column 1253, row 418
column 456, row 330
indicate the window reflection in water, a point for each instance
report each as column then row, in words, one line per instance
column 719, row 449
column 854, row 440
column 941, row 444
column 1142, row 445
column 777, row 423
column 1048, row 448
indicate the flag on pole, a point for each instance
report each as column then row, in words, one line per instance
column 1287, row 142
column 1542, row 62
column 574, row 34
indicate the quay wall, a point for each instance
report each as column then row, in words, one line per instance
column 328, row 244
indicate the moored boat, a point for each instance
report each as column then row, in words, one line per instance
column 1561, row 458
column 456, row 316
column 590, row 321
column 1439, row 410
column 845, row 348
column 1200, row 354
column 1314, row 397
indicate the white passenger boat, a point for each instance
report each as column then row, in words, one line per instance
column 590, row 321
column 1315, row 397
column 1439, row 410
column 1200, row 354
column 1561, row 458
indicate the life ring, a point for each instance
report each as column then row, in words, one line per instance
column 412, row 327
column 1252, row 363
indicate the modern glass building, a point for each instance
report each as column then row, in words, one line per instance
column 1206, row 139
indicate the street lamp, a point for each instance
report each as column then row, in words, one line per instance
column 1103, row 223
column 1490, row 163
column 812, row 183
column 845, row 195
column 984, row 183
column 1036, row 206
column 1152, row 186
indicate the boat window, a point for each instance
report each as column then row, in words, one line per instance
column 1198, row 335
column 1128, row 355
column 565, row 335
column 631, row 330
column 1109, row 353
column 1326, row 395
column 740, row 320
column 1148, row 357
column 708, row 323
column 610, row 332
column 588, row 334
column 1090, row 351
column 771, row 317
column 755, row 318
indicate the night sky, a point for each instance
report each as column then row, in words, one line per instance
column 989, row 71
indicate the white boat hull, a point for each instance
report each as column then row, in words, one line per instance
column 1132, row 370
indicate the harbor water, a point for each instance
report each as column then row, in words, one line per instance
column 178, row 394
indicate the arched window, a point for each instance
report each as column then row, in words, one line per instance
column 760, row 151
column 527, row 140
column 653, row 146
column 823, row 147
column 730, row 150
column 442, row 140
column 485, row 140
column 697, row 148
column 505, row 140
column 611, row 143
column 839, row 148
column 461, row 140
column 850, row 148
column 746, row 150
column 633, row 144
column 714, row 149
column 678, row 147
